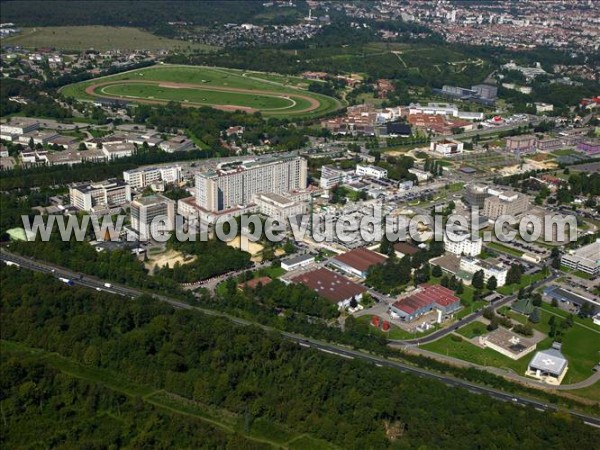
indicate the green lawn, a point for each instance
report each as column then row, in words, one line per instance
column 472, row 330
column 581, row 343
column 272, row 94
column 469, row 352
column 526, row 280
column 97, row 37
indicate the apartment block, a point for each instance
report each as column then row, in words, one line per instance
column 233, row 184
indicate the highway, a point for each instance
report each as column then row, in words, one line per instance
column 333, row 349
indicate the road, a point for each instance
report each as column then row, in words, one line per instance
column 470, row 318
column 333, row 349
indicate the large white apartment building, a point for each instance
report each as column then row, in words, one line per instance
column 462, row 243
column 102, row 195
column 142, row 177
column 371, row 171
column 233, row 184
column 472, row 265
column 145, row 210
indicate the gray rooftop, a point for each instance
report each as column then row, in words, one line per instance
column 551, row 361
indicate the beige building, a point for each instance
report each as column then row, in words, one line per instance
column 156, row 208
column 278, row 206
column 507, row 343
column 504, row 203
column 234, row 184
column 102, row 195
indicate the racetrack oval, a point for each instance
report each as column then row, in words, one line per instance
column 195, row 95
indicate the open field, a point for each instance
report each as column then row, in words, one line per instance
column 196, row 86
column 97, row 37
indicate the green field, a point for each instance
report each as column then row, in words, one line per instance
column 581, row 346
column 97, row 37
column 230, row 89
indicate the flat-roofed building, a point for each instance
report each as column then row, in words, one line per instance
column 371, row 171
column 37, row 137
column 586, row 258
column 153, row 208
column 101, row 195
column 297, row 262
column 16, row 127
column 460, row 242
column 357, row 262
column 335, row 288
column 475, row 194
column 507, row 343
column 234, row 184
column 145, row 176
column 447, row 147
column 278, row 206
column 177, row 144
column 331, row 176
column 114, row 151
column 504, row 203
column 490, row 269
column 522, row 144
column 549, row 366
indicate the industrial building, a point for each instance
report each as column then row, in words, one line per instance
column 335, row 288
column 357, row 262
column 426, row 299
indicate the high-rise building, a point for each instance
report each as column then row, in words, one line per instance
column 233, row 184
column 504, row 203
column 144, row 210
column 475, row 194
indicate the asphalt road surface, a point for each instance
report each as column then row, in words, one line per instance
column 332, row 349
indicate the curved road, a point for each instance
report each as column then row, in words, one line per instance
column 333, row 349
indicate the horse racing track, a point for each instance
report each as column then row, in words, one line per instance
column 195, row 86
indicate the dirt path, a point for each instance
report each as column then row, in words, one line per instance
column 314, row 103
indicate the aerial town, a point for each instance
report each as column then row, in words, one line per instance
column 436, row 169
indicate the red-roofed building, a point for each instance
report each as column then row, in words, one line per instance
column 425, row 299
column 358, row 261
column 335, row 288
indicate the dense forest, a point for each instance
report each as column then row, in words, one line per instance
column 243, row 369
column 69, row 412
column 152, row 15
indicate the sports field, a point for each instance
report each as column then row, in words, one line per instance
column 196, row 86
